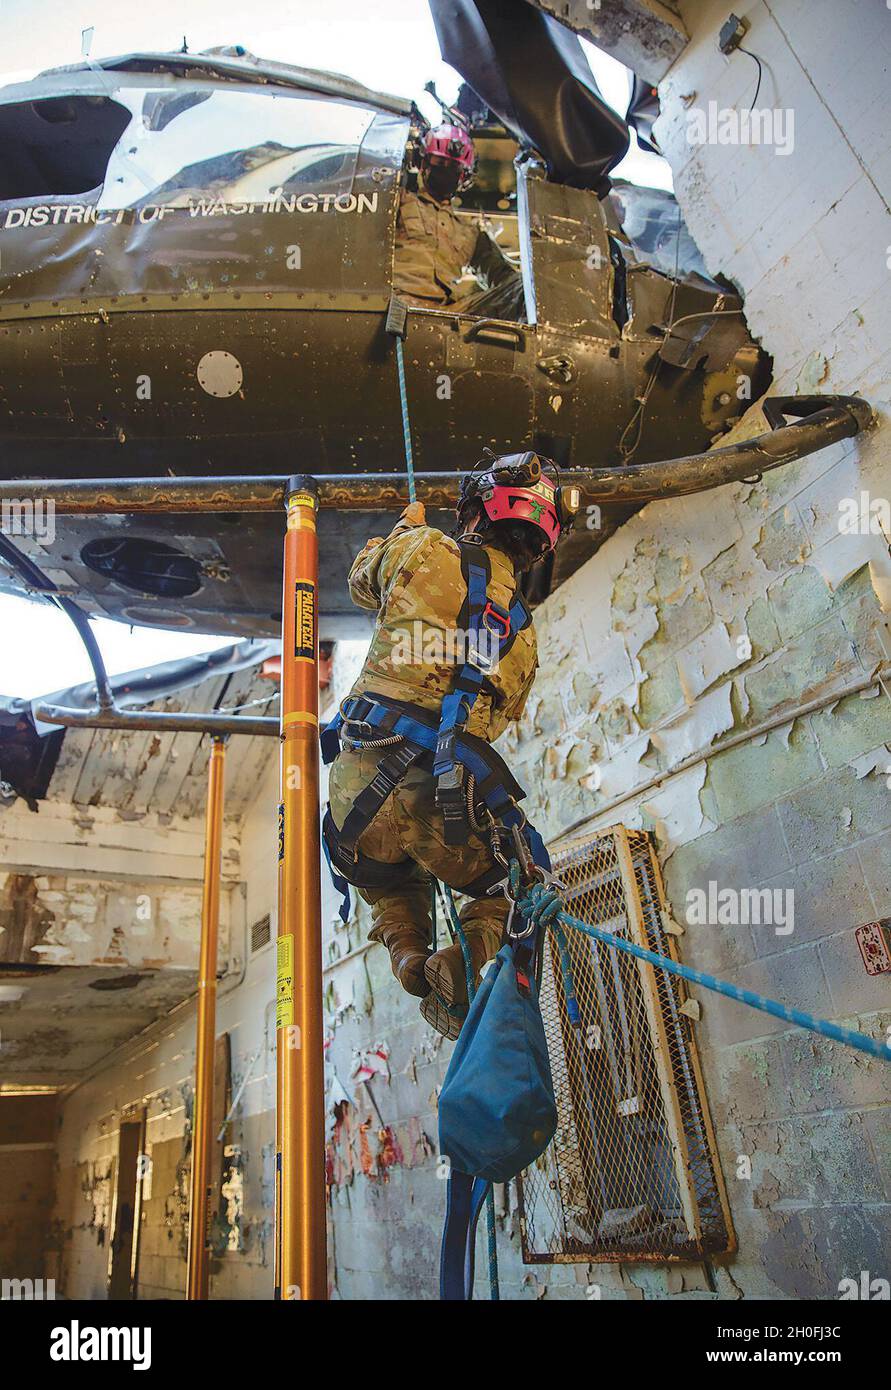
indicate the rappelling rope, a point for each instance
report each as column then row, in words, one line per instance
column 491, row 1246
column 541, row 903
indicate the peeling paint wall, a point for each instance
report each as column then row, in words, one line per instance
column 64, row 919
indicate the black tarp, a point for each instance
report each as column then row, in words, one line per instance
column 532, row 72
column 643, row 110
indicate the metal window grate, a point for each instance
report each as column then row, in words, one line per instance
column 632, row 1172
column 261, row 934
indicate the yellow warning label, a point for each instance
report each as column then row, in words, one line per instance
column 284, row 994
column 304, row 620
column 301, row 512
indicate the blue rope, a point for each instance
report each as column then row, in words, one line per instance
column 491, row 1247
column 537, row 904
column 406, row 427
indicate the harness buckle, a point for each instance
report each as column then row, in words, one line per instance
column 450, row 799
column 476, row 658
column 492, row 613
column 496, row 624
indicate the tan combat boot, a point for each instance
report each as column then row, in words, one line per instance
column 445, row 1008
column 409, row 951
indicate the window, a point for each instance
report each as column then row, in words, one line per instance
column 632, row 1172
column 57, row 146
column 240, row 147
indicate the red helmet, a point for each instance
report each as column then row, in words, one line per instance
column 514, row 488
column 453, row 143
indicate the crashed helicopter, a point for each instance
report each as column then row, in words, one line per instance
column 196, row 265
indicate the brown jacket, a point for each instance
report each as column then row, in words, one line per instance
column 412, row 579
column 433, row 246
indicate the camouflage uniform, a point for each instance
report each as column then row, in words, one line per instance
column 413, row 580
column 432, row 248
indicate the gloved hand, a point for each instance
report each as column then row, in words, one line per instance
column 415, row 514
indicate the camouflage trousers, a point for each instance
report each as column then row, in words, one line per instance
column 409, row 825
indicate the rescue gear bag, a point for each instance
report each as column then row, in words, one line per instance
column 497, row 1112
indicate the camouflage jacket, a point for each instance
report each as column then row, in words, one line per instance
column 413, row 580
column 432, row 248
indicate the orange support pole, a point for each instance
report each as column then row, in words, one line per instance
column 202, row 1101
column 301, row 1249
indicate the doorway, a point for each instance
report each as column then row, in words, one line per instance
column 124, row 1267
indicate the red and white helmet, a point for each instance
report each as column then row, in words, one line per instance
column 515, row 487
column 453, row 143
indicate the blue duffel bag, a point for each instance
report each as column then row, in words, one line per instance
column 496, row 1110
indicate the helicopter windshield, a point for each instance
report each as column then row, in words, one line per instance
column 238, row 146
column 143, row 185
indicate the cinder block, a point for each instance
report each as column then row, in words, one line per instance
column 793, row 977
column 819, row 1074
column 660, row 694
column 751, row 1085
column 755, row 774
column 878, row 1123
column 807, row 1253
column 852, row 727
column 679, row 623
column 735, row 856
column 801, row 670
column 829, row 896
column 841, row 811
column 799, row 600
column 852, row 990
column 812, row 1160
column 875, row 856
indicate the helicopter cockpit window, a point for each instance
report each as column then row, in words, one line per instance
column 57, row 146
column 241, row 147
column 654, row 230
column 464, row 254
column 145, row 186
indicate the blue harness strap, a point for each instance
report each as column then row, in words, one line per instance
column 340, row 884
column 495, row 783
column 490, row 631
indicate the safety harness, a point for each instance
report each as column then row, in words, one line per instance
column 470, row 775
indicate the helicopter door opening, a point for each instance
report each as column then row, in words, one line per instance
column 464, row 256
column 58, row 146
